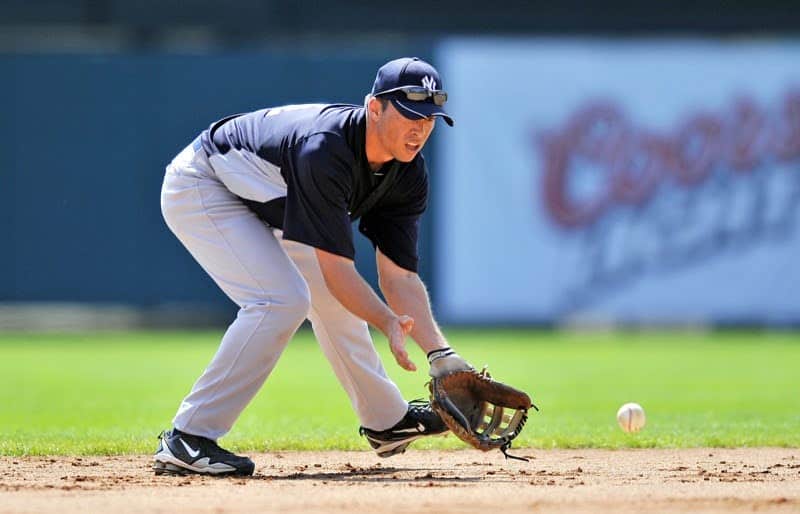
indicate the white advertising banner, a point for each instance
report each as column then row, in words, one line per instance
column 603, row 180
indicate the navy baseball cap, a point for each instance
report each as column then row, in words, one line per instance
column 411, row 71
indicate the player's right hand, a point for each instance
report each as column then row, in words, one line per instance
column 396, row 331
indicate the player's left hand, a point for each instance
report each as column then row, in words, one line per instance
column 396, row 332
column 479, row 410
column 445, row 361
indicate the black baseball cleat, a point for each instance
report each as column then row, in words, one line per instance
column 181, row 454
column 419, row 421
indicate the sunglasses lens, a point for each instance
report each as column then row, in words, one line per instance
column 421, row 94
column 417, row 96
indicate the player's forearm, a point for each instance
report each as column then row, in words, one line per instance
column 347, row 285
column 406, row 294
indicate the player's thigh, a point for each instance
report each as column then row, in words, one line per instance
column 232, row 245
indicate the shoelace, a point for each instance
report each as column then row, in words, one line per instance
column 422, row 410
column 213, row 448
column 419, row 405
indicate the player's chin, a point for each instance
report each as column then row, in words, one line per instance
column 409, row 151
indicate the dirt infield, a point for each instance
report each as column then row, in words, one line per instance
column 696, row 480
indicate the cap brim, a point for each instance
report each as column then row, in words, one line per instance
column 419, row 110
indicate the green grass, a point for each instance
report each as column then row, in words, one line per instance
column 111, row 393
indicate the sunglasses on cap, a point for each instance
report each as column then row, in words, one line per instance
column 419, row 94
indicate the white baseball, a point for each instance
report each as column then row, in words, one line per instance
column 631, row 417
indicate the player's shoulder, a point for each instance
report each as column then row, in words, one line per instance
column 317, row 116
column 336, row 130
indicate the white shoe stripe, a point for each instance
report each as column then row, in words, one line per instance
column 191, row 451
column 391, row 445
column 166, row 456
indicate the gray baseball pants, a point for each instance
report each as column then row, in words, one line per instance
column 276, row 284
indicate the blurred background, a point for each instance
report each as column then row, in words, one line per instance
column 612, row 162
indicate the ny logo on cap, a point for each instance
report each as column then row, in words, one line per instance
column 428, row 83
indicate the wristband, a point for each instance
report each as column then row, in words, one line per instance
column 435, row 355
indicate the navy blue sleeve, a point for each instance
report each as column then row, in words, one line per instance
column 318, row 195
column 393, row 225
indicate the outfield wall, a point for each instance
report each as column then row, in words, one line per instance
column 586, row 180
column 637, row 181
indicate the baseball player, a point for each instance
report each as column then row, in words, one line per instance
column 264, row 202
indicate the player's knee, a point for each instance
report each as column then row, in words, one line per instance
column 285, row 310
column 293, row 301
column 298, row 301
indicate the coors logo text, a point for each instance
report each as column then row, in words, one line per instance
column 637, row 201
column 635, row 162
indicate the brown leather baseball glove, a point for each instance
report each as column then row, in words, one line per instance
column 482, row 412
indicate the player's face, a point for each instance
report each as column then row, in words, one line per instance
column 401, row 137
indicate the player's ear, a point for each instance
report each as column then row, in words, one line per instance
column 374, row 108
